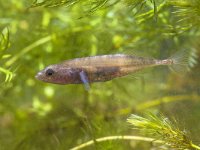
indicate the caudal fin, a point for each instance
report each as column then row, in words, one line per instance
column 183, row 61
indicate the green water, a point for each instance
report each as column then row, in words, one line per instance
column 40, row 116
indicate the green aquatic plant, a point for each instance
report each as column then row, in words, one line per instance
column 53, row 3
column 187, row 13
column 165, row 100
column 42, row 116
column 153, row 103
column 162, row 131
column 4, row 44
column 113, row 138
column 4, row 39
column 27, row 49
column 93, row 5
column 162, row 128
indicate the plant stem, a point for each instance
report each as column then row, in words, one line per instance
column 27, row 49
column 195, row 146
column 7, row 73
column 110, row 138
column 166, row 99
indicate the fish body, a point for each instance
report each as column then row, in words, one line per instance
column 97, row 68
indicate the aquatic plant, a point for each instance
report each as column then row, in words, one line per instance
column 36, row 115
column 188, row 12
column 161, row 130
column 4, row 44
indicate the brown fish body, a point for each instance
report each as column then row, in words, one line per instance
column 107, row 67
column 96, row 68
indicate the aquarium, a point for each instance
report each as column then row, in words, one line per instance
column 99, row 74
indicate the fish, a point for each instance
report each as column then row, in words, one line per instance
column 103, row 68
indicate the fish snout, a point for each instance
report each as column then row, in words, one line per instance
column 39, row 75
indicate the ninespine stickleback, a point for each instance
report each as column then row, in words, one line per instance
column 101, row 68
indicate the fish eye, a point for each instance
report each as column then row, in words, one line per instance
column 49, row 72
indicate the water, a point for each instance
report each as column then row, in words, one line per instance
column 37, row 115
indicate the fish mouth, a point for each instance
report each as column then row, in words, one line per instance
column 38, row 75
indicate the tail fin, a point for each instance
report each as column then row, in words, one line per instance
column 183, row 61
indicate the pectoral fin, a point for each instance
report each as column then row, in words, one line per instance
column 84, row 79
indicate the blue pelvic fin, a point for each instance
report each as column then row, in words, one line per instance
column 85, row 80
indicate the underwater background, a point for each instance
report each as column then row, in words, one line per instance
column 35, row 115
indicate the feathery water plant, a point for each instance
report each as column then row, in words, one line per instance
column 4, row 44
column 97, row 4
column 4, row 40
column 112, row 138
column 53, row 3
column 94, row 5
column 42, row 36
column 162, row 128
column 188, row 12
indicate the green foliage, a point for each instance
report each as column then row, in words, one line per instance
column 4, row 44
column 164, row 132
column 188, row 12
column 52, row 3
column 43, row 116
column 91, row 5
column 162, row 128
column 4, row 39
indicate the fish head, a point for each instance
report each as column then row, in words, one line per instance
column 58, row 74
